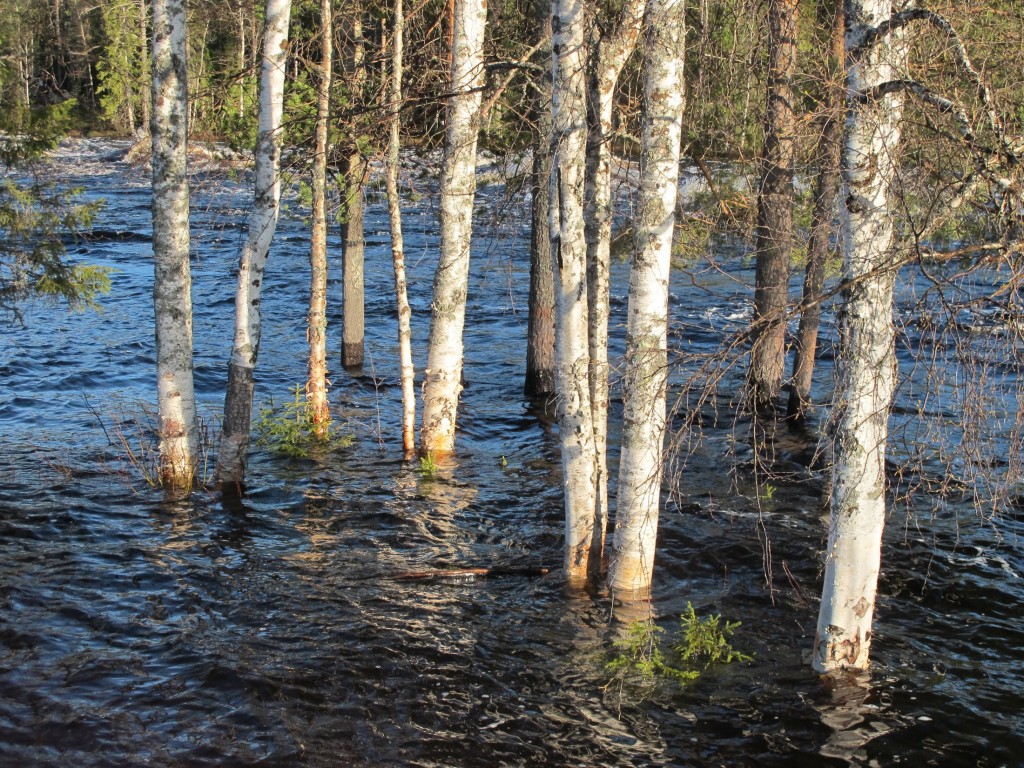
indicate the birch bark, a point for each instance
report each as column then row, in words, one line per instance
column 234, row 439
column 353, row 244
column 867, row 358
column 172, row 277
column 569, row 25
column 608, row 61
column 645, row 383
column 316, row 331
column 774, row 232
column 443, row 377
column 397, row 243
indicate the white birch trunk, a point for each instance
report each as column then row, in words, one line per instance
column 316, row 381
column 234, row 439
column 867, row 358
column 172, row 278
column 397, row 243
column 443, row 377
column 644, row 387
column 569, row 256
column 353, row 246
column 611, row 56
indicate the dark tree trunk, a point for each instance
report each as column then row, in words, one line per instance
column 540, row 344
column 774, row 233
column 822, row 225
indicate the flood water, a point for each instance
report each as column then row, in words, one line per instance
column 135, row 630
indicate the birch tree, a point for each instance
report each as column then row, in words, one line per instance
column 867, row 365
column 583, row 542
column 397, row 243
column 316, row 383
column 646, row 379
column 172, row 277
column 773, row 237
column 607, row 61
column 443, row 377
column 878, row 84
column 262, row 222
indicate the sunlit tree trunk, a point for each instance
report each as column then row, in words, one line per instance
column 353, row 345
column 773, row 238
column 540, row 339
column 172, row 280
column 316, row 331
column 234, row 439
column 442, row 380
column 867, row 365
column 569, row 254
column 353, row 243
column 826, row 190
column 608, row 60
column 241, row 64
column 645, row 383
column 397, row 244
column 146, row 73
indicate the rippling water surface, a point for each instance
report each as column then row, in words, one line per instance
column 140, row 631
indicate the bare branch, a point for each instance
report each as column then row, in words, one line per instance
column 899, row 20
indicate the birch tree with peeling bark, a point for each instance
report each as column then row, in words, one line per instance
column 172, row 283
column 262, row 222
column 867, row 361
column 317, row 410
column 397, row 243
column 608, row 59
column 773, row 237
column 442, row 380
column 583, row 541
column 646, row 379
column 878, row 85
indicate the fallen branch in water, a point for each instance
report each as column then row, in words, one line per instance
column 468, row 573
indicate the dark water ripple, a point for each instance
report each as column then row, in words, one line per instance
column 140, row 631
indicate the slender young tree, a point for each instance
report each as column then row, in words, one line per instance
column 826, row 191
column 608, row 59
column 397, row 243
column 569, row 25
column 172, row 278
column 146, row 70
column 867, row 363
column 316, row 383
column 235, row 432
column 442, row 381
column 353, row 240
column 646, row 379
column 773, row 237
